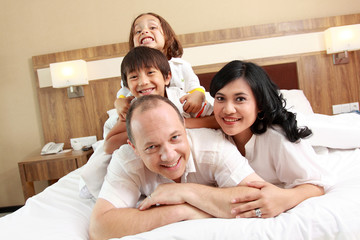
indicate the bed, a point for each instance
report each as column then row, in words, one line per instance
column 60, row 213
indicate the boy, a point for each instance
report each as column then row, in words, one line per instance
column 146, row 71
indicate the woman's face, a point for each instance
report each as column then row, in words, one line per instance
column 235, row 107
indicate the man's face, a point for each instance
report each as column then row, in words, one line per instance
column 161, row 141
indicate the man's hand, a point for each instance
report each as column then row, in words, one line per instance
column 122, row 106
column 165, row 194
column 193, row 101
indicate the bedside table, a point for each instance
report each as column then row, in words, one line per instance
column 49, row 167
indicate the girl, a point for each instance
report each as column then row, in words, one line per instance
column 250, row 110
column 153, row 31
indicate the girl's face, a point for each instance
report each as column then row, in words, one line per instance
column 147, row 81
column 235, row 107
column 148, row 32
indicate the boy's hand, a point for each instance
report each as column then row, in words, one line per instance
column 122, row 106
column 193, row 101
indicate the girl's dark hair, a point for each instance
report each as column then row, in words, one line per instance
column 269, row 100
column 143, row 57
column 172, row 47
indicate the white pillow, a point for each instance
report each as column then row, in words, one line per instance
column 93, row 172
column 296, row 101
column 110, row 122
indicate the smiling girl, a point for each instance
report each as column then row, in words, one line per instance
column 151, row 30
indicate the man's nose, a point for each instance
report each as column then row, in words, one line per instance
column 167, row 152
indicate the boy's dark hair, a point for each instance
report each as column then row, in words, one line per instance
column 143, row 57
column 145, row 103
column 172, row 47
column 269, row 101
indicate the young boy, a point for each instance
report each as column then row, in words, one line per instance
column 146, row 71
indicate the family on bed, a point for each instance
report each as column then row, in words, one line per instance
column 176, row 157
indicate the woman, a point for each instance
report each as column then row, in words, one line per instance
column 251, row 111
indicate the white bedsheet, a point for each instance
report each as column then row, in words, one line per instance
column 56, row 213
column 336, row 215
column 59, row 213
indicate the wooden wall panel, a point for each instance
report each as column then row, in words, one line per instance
column 284, row 75
column 323, row 83
column 205, row 38
column 65, row 118
column 326, row 84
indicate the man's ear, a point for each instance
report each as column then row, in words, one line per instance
column 168, row 78
column 133, row 147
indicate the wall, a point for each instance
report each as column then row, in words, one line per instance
column 30, row 28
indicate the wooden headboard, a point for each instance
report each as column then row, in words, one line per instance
column 323, row 83
column 284, row 75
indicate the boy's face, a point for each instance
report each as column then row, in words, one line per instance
column 161, row 141
column 147, row 81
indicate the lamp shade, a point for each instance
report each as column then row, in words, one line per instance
column 70, row 73
column 343, row 38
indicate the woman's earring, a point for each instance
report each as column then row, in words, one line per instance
column 261, row 116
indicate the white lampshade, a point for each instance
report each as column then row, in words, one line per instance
column 343, row 38
column 70, row 73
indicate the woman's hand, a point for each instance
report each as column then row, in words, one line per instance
column 271, row 201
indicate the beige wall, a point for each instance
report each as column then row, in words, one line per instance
column 30, row 28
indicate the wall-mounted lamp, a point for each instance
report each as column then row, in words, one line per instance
column 340, row 40
column 71, row 74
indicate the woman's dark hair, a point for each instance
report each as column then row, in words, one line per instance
column 269, row 100
column 172, row 47
column 143, row 57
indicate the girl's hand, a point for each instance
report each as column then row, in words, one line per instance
column 164, row 194
column 271, row 201
column 193, row 102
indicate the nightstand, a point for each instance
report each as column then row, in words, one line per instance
column 50, row 168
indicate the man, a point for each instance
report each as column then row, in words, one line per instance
column 172, row 167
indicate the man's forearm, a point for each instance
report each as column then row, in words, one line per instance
column 215, row 201
column 119, row 222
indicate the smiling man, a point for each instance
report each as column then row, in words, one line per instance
column 179, row 168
